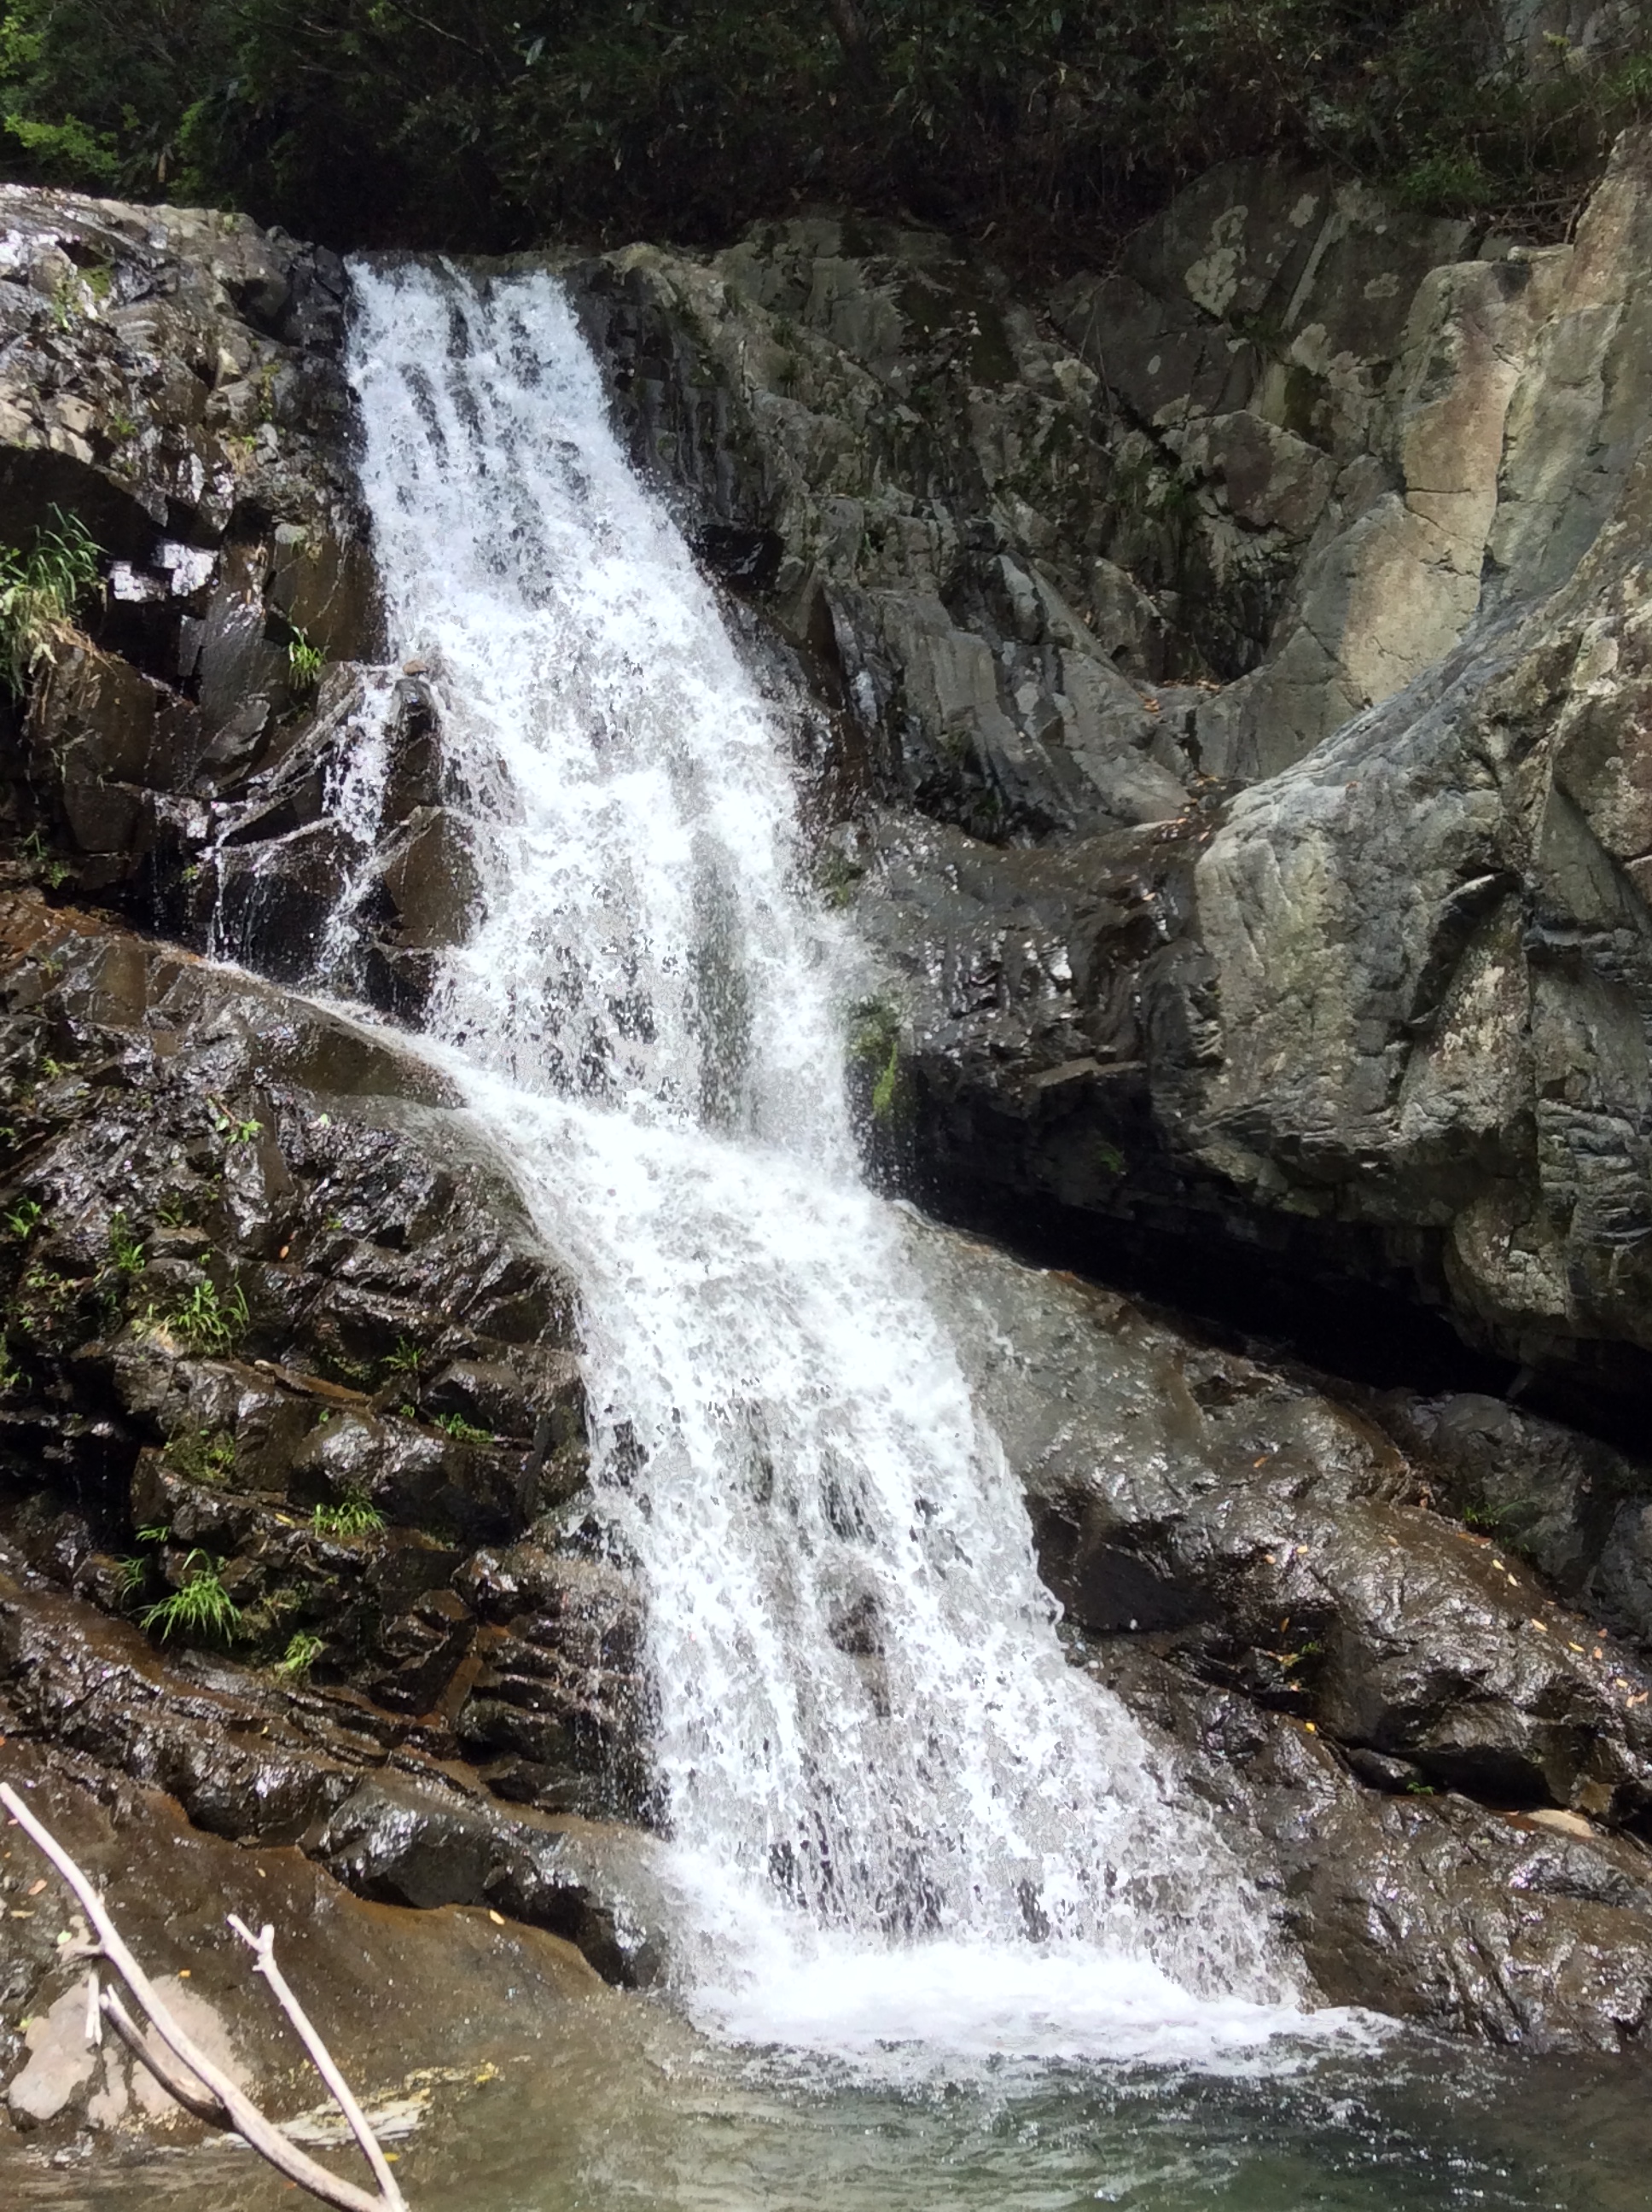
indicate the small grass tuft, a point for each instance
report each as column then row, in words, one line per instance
column 208, row 1322
column 24, row 1218
column 463, row 1432
column 204, row 1457
column 40, row 591
column 302, row 1651
column 352, row 1516
column 305, row 662
column 125, row 1250
column 200, row 1608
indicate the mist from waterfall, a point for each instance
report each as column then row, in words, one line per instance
column 896, row 1814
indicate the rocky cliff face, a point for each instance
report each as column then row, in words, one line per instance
column 1221, row 688
column 1244, row 651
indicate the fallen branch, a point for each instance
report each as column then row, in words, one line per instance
column 263, row 1946
column 197, row 2084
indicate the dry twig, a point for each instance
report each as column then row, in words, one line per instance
column 197, row 2084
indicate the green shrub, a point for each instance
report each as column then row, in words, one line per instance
column 40, row 591
column 489, row 124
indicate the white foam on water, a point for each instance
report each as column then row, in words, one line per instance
column 898, row 1818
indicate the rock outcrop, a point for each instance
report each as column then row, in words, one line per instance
column 1436, row 1761
column 1226, row 726
column 1244, row 651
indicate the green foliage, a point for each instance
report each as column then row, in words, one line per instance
column 200, row 1608
column 233, row 1128
column 201, row 1457
column 487, row 123
column 40, row 591
column 463, row 1432
column 11, row 1375
column 875, row 1046
column 208, row 1322
column 839, row 878
column 305, row 662
column 40, row 858
column 302, row 1651
column 352, row 1516
column 24, row 1218
column 125, row 1250
column 43, row 1297
column 404, row 1360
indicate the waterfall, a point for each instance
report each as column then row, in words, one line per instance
column 893, row 1809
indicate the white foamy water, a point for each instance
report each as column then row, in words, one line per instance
column 896, row 1815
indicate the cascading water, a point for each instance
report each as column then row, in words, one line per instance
column 894, row 1810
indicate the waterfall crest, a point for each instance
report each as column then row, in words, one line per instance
column 894, row 1809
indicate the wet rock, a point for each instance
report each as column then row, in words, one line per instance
column 393, row 1991
column 1424, row 1905
column 1572, row 1507
column 430, row 880
column 191, row 1359
column 561, row 1686
column 401, row 1848
column 1376, row 481
column 1380, row 1695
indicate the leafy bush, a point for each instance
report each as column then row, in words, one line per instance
column 39, row 591
column 487, row 123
